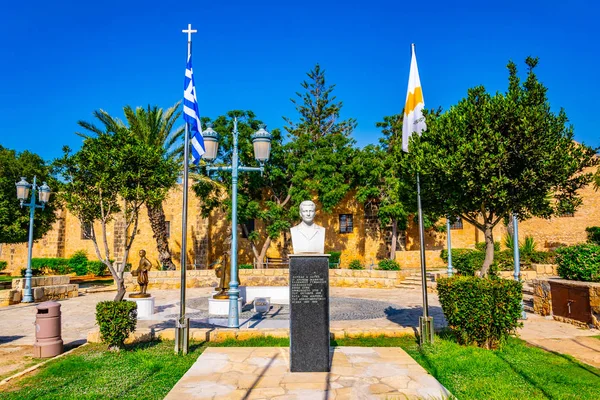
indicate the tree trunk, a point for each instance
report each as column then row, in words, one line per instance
column 489, row 249
column 120, row 282
column 260, row 260
column 394, row 239
column 156, row 215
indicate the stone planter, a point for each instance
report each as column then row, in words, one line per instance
column 574, row 302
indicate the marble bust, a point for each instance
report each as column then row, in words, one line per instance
column 308, row 237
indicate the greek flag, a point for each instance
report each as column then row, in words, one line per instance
column 190, row 113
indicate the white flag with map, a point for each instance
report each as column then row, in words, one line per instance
column 413, row 109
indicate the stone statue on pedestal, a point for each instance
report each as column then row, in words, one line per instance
column 308, row 237
column 142, row 275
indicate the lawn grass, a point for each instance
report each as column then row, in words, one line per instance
column 150, row 370
column 8, row 278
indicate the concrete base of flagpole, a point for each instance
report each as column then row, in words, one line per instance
column 425, row 330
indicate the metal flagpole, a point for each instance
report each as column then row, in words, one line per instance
column 449, row 246
column 517, row 258
column 425, row 321
column 182, row 325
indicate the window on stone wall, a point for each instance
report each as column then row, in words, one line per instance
column 458, row 223
column 249, row 224
column 346, row 223
column 86, row 231
column 566, row 214
column 168, row 228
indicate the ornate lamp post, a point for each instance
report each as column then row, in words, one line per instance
column 262, row 149
column 23, row 189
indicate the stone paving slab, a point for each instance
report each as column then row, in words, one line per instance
column 263, row 373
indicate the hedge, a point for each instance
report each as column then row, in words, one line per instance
column 116, row 319
column 388, row 265
column 467, row 261
column 579, row 263
column 355, row 264
column 593, row 234
column 481, row 311
column 3, row 265
column 96, row 268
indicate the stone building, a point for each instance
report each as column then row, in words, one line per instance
column 351, row 228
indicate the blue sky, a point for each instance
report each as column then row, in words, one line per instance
column 62, row 60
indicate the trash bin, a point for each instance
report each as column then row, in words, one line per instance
column 48, row 340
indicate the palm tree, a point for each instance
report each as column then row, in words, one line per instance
column 155, row 128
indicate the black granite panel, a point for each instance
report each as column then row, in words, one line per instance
column 309, row 313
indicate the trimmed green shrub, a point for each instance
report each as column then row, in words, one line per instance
column 579, row 263
column 593, row 234
column 542, row 257
column 116, row 319
column 388, row 265
column 334, row 259
column 480, row 311
column 58, row 266
column 467, row 261
column 3, row 265
column 481, row 246
column 79, row 262
column 355, row 264
column 246, row 266
column 96, row 268
column 34, row 271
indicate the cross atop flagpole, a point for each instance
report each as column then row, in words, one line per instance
column 182, row 325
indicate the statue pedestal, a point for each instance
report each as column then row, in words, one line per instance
column 221, row 306
column 309, row 312
column 145, row 306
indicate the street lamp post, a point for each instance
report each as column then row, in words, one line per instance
column 23, row 188
column 261, row 141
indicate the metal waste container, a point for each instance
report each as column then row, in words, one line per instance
column 48, row 340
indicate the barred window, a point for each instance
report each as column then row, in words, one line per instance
column 458, row 223
column 346, row 225
column 86, row 231
column 567, row 214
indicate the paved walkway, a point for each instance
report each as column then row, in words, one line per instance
column 78, row 319
column 262, row 373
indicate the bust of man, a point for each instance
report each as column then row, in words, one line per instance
column 308, row 237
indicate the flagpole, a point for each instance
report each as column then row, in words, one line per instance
column 182, row 325
column 425, row 321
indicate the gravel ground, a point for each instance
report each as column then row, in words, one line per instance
column 341, row 309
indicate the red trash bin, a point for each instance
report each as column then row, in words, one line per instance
column 48, row 340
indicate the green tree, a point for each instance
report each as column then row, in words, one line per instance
column 315, row 164
column 381, row 179
column 14, row 220
column 111, row 177
column 261, row 197
column 321, row 152
column 493, row 155
column 155, row 128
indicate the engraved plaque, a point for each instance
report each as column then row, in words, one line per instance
column 309, row 313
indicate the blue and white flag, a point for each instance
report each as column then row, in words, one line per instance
column 191, row 115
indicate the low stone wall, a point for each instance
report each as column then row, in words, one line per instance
column 9, row 297
column 537, row 271
column 542, row 299
column 44, row 280
column 166, row 280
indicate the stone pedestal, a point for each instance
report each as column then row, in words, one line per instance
column 309, row 313
column 145, row 306
column 221, row 306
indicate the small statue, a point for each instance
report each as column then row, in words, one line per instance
column 142, row 275
column 223, row 271
column 308, row 237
